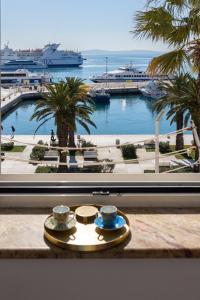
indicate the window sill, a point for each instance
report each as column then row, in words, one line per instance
column 155, row 233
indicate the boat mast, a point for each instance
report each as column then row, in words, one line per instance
column 106, row 64
column 106, row 70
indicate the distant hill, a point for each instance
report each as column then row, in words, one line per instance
column 126, row 52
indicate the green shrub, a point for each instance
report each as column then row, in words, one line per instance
column 38, row 152
column 164, row 147
column 129, row 152
column 46, row 169
column 7, row 146
column 85, row 144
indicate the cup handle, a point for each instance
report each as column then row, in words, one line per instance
column 73, row 214
column 98, row 215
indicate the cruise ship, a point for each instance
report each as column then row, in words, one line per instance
column 23, row 78
column 49, row 56
column 127, row 73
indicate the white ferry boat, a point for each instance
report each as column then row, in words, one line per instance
column 127, row 73
column 49, row 56
column 152, row 90
column 23, row 78
column 22, row 64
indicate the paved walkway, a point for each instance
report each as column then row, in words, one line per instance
column 13, row 167
column 102, row 140
column 17, row 167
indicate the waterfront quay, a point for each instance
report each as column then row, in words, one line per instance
column 120, row 88
column 17, row 95
column 14, row 99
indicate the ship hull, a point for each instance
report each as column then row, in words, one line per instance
column 64, row 65
column 31, row 68
column 100, row 98
column 17, row 67
column 126, row 80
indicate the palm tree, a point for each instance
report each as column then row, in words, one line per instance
column 77, row 94
column 172, row 96
column 67, row 103
column 176, row 23
column 184, row 103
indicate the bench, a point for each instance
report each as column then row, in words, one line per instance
column 149, row 144
column 90, row 155
column 51, row 155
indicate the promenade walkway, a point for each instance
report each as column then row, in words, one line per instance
column 12, row 167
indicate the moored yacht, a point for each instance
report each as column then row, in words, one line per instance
column 22, row 64
column 152, row 90
column 23, row 78
column 125, row 74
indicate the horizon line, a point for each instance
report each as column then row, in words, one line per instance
column 123, row 50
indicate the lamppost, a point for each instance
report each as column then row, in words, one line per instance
column 106, row 64
column 106, row 71
column 157, row 133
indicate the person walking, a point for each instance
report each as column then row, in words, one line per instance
column 53, row 136
column 12, row 132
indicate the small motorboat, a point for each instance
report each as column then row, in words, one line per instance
column 99, row 96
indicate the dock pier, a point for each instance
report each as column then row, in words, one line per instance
column 16, row 95
column 120, row 88
column 13, row 99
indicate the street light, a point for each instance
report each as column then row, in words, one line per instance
column 157, row 142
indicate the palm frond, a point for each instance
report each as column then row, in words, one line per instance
column 84, row 125
column 41, row 124
column 154, row 24
column 169, row 62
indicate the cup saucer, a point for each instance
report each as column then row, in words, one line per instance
column 52, row 224
column 120, row 222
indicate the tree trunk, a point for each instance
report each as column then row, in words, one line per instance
column 179, row 137
column 72, row 139
column 197, row 167
column 72, row 153
column 197, row 124
column 62, row 133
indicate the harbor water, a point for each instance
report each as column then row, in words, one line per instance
column 124, row 115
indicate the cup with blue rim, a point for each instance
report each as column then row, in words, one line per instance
column 108, row 215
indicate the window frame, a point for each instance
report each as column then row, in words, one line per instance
column 100, row 184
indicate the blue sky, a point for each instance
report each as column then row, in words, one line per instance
column 76, row 24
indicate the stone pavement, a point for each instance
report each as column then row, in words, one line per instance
column 14, row 167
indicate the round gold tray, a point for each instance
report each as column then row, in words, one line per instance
column 87, row 237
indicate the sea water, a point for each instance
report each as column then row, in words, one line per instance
column 124, row 115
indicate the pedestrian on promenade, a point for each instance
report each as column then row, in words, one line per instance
column 52, row 136
column 12, row 132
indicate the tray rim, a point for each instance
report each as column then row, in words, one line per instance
column 88, row 248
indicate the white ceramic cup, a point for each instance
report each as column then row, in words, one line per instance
column 62, row 214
